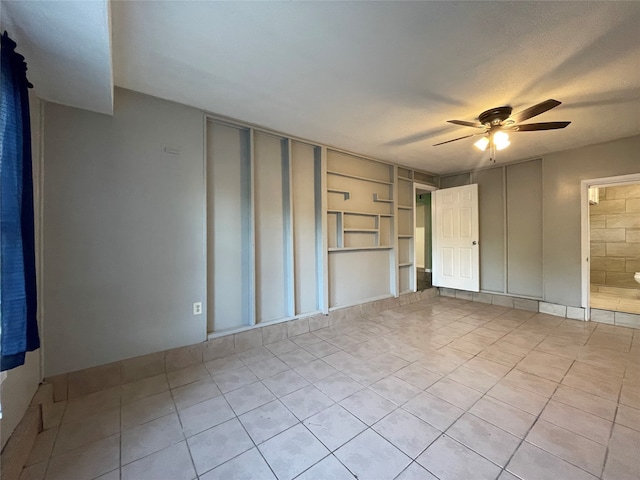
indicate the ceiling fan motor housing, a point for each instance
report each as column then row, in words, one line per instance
column 495, row 116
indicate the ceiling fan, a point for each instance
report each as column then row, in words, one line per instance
column 497, row 123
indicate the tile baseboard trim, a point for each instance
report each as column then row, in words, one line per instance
column 619, row 319
column 79, row 383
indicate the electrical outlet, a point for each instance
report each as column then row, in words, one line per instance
column 197, row 308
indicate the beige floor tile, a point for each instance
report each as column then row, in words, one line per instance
column 407, row 432
column 233, row 379
column 43, row 446
column 292, row 452
column 316, row 370
column 247, row 466
column 455, row 393
column 533, row 383
column 92, row 428
column 503, row 415
column 204, row 415
column 215, row 446
column 484, row 438
column 378, row 365
column 394, row 389
column 80, row 408
column 417, row 376
column 267, row 421
column 328, row 467
column 249, row 397
column 193, row 393
column 433, row 410
column 190, row 374
column 577, row 421
column 147, row 409
column 368, row 406
column 144, row 388
column 370, row 456
column 35, row 471
column 450, row 460
column 334, row 426
column 569, row 446
column 306, row 402
column 172, row 463
column 518, row 397
column 88, row 461
column 629, row 417
column 473, row 379
column 533, row 463
column 151, row 437
column 585, row 401
column 415, row 472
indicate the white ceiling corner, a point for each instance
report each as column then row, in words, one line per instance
column 67, row 46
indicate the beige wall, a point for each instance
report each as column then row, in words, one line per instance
column 615, row 236
column 562, row 174
column 124, row 231
column 557, row 261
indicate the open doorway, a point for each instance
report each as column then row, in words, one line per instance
column 611, row 242
column 422, row 235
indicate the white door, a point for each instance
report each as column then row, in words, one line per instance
column 456, row 252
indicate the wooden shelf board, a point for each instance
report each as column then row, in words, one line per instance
column 366, row 179
column 404, row 207
column 405, row 265
column 364, row 214
column 351, row 249
column 405, row 236
column 347, row 195
column 381, row 200
column 360, row 230
column 405, row 178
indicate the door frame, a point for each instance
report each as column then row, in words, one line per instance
column 585, row 227
column 429, row 188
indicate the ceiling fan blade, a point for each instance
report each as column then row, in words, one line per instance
column 460, row 138
column 533, row 127
column 535, row 110
column 466, row 124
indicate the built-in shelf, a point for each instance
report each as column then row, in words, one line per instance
column 351, row 249
column 366, row 179
column 405, row 265
column 361, row 230
column 405, row 178
column 347, row 195
column 367, row 214
column 404, row 207
column 405, row 236
column 381, row 200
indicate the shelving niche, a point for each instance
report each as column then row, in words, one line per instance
column 405, row 221
column 361, row 228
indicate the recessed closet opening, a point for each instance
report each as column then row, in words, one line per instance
column 264, row 217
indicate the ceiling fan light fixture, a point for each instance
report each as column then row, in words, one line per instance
column 482, row 144
column 501, row 140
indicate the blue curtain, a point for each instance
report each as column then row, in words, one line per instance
column 18, row 305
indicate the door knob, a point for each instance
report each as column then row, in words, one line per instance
column 475, row 243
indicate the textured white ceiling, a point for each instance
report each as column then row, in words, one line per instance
column 382, row 78
column 67, row 45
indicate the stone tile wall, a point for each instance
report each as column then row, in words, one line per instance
column 615, row 237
